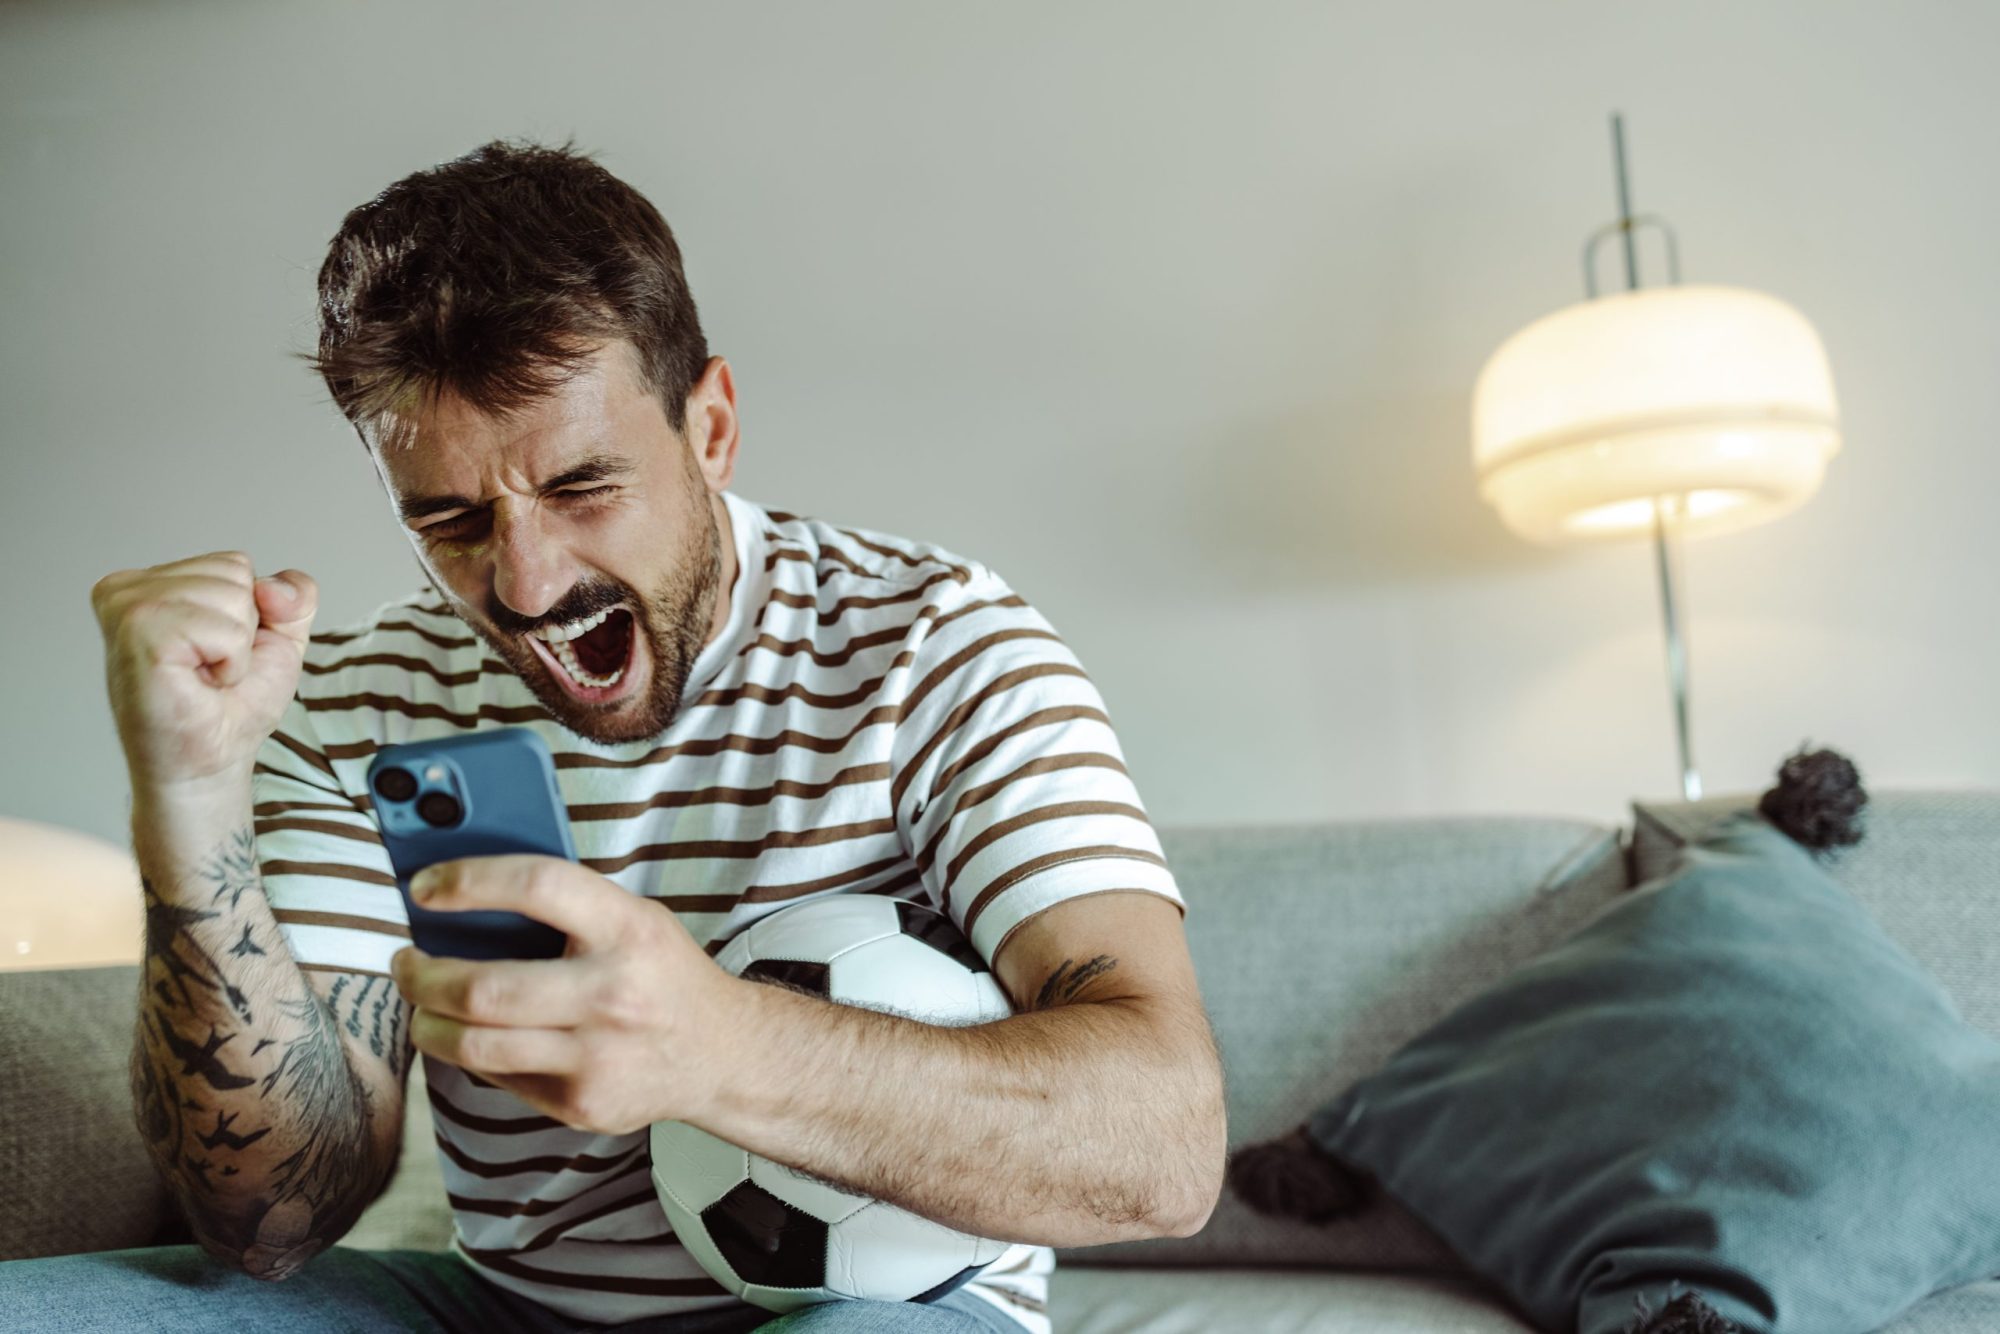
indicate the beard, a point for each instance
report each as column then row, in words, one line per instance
column 673, row 619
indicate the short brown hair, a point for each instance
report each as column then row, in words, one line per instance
column 491, row 277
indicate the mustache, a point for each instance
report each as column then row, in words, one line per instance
column 579, row 602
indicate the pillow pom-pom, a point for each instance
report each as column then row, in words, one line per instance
column 1817, row 802
column 1685, row 1314
column 1293, row 1177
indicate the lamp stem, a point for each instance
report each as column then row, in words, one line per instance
column 1666, row 547
column 1624, row 202
column 1666, row 509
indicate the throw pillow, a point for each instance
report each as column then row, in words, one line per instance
column 1731, row 1082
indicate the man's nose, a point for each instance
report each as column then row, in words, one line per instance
column 531, row 571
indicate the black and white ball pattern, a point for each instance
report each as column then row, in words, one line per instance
column 772, row 1235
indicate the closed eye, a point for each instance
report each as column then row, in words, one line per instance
column 456, row 523
column 447, row 527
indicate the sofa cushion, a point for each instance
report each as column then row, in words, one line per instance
column 1091, row 1300
column 1322, row 948
column 77, row 1176
column 1972, row 1309
column 1928, row 871
column 1094, row 1300
column 1732, row 1079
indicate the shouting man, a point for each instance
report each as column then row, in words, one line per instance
column 747, row 708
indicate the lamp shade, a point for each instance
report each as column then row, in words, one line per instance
column 1716, row 401
column 67, row 900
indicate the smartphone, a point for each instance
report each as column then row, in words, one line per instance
column 477, row 795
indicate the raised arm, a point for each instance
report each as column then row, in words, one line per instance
column 271, row 1103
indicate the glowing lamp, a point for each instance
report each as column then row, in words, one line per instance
column 1716, row 399
column 67, row 900
column 1662, row 413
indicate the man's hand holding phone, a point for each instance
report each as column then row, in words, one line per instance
column 624, row 1030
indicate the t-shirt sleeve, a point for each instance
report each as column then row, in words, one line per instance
column 325, row 870
column 1009, row 786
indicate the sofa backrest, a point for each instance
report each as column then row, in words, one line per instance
column 1322, row 948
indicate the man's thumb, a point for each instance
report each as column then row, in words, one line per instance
column 286, row 603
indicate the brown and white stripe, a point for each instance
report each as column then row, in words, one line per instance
column 878, row 716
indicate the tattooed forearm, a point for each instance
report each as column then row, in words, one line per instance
column 243, row 1086
column 1067, row 982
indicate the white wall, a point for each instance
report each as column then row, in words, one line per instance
column 1169, row 312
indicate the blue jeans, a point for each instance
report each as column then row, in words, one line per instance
column 180, row 1288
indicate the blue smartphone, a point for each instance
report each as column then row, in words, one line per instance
column 477, row 795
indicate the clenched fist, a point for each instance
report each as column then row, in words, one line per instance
column 201, row 657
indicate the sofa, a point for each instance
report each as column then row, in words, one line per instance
column 1320, row 948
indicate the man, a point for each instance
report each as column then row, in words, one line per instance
column 746, row 707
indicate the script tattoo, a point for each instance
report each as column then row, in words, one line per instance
column 1067, row 982
column 260, row 1124
column 370, row 1010
column 385, row 1037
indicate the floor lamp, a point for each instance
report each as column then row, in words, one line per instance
column 1661, row 413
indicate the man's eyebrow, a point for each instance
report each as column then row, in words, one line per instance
column 596, row 468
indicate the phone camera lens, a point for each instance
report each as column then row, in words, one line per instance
column 396, row 784
column 440, row 809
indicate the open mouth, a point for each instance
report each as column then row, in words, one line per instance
column 594, row 658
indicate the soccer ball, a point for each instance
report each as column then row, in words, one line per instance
column 772, row 1235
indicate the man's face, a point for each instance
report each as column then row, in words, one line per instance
column 578, row 538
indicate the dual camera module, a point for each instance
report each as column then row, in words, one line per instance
column 439, row 809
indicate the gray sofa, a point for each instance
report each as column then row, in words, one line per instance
column 1320, row 949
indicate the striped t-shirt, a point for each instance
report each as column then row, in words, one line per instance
column 878, row 716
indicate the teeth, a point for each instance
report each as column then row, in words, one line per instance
column 566, row 655
column 558, row 634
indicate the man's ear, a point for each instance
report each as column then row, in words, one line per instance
column 712, row 424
